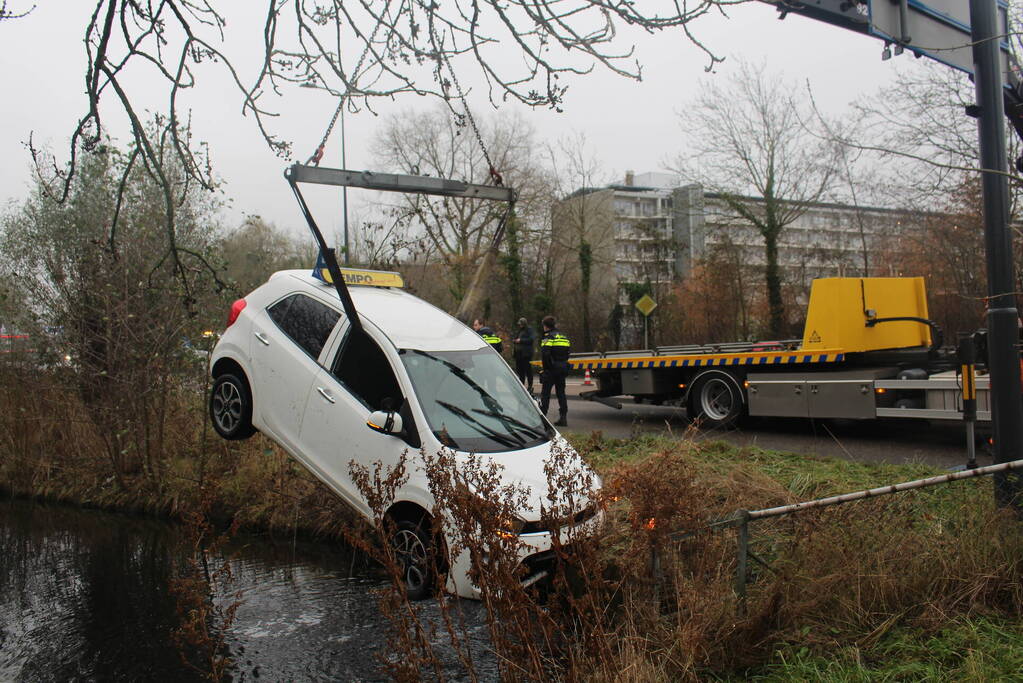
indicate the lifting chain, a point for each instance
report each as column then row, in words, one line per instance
column 314, row 159
column 494, row 175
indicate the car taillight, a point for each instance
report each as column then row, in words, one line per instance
column 236, row 310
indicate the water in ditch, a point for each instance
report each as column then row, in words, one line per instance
column 84, row 596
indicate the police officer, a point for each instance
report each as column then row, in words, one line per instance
column 523, row 352
column 488, row 335
column 554, row 351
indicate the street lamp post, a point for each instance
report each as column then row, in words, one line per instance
column 1002, row 316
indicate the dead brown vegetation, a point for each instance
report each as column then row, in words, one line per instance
column 633, row 602
column 625, row 603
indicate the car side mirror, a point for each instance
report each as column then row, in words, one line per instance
column 385, row 422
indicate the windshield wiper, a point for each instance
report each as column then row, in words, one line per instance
column 461, row 374
column 532, row 431
column 503, row 439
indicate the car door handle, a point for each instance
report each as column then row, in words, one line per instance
column 262, row 338
column 325, row 394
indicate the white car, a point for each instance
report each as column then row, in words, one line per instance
column 291, row 366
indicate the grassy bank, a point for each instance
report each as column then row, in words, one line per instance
column 926, row 584
column 920, row 585
column 52, row 448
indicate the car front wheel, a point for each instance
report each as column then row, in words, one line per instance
column 231, row 407
column 413, row 553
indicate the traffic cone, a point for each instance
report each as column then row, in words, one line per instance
column 587, row 382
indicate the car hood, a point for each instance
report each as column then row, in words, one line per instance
column 525, row 468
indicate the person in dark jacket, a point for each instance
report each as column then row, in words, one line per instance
column 555, row 349
column 523, row 353
column 488, row 335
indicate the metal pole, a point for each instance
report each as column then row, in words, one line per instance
column 655, row 574
column 741, row 560
column 646, row 325
column 1003, row 334
column 967, row 362
column 344, row 190
column 879, row 491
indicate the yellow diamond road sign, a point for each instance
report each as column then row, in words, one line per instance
column 646, row 305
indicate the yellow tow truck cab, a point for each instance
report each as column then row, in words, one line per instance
column 868, row 350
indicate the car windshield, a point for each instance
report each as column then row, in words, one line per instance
column 473, row 402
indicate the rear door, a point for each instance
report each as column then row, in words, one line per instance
column 289, row 338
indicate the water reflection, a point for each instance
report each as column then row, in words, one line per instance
column 84, row 596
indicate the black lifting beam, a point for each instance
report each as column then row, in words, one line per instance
column 387, row 182
column 393, row 182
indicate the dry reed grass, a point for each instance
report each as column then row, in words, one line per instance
column 839, row 577
column 834, row 578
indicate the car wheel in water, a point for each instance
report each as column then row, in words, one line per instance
column 231, row 407
column 413, row 551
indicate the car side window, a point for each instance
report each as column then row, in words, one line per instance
column 307, row 321
column 363, row 368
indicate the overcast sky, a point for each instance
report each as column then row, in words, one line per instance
column 629, row 125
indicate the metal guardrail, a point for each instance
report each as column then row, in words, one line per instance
column 742, row 519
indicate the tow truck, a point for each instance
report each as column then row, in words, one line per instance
column 868, row 351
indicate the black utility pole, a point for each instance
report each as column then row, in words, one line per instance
column 1002, row 317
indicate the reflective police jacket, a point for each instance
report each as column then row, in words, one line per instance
column 554, row 351
column 491, row 338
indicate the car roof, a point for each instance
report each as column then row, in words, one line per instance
column 408, row 321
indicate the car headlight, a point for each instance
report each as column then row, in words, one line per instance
column 510, row 527
column 555, row 525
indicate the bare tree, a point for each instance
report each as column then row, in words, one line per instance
column 459, row 231
column 116, row 298
column 354, row 51
column 581, row 229
column 926, row 152
column 6, row 13
column 383, row 239
column 917, row 131
column 748, row 142
column 920, row 143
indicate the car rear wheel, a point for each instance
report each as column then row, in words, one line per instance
column 414, row 553
column 231, row 407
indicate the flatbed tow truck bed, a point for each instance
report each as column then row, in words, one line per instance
column 867, row 352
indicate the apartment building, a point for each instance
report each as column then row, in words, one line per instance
column 651, row 229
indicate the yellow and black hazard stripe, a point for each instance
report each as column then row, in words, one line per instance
column 969, row 383
column 708, row 360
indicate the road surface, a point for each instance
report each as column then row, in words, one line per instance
column 894, row 441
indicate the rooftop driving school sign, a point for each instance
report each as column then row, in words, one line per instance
column 938, row 29
column 356, row 276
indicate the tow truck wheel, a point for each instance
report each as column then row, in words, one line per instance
column 715, row 400
column 231, row 407
column 413, row 551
